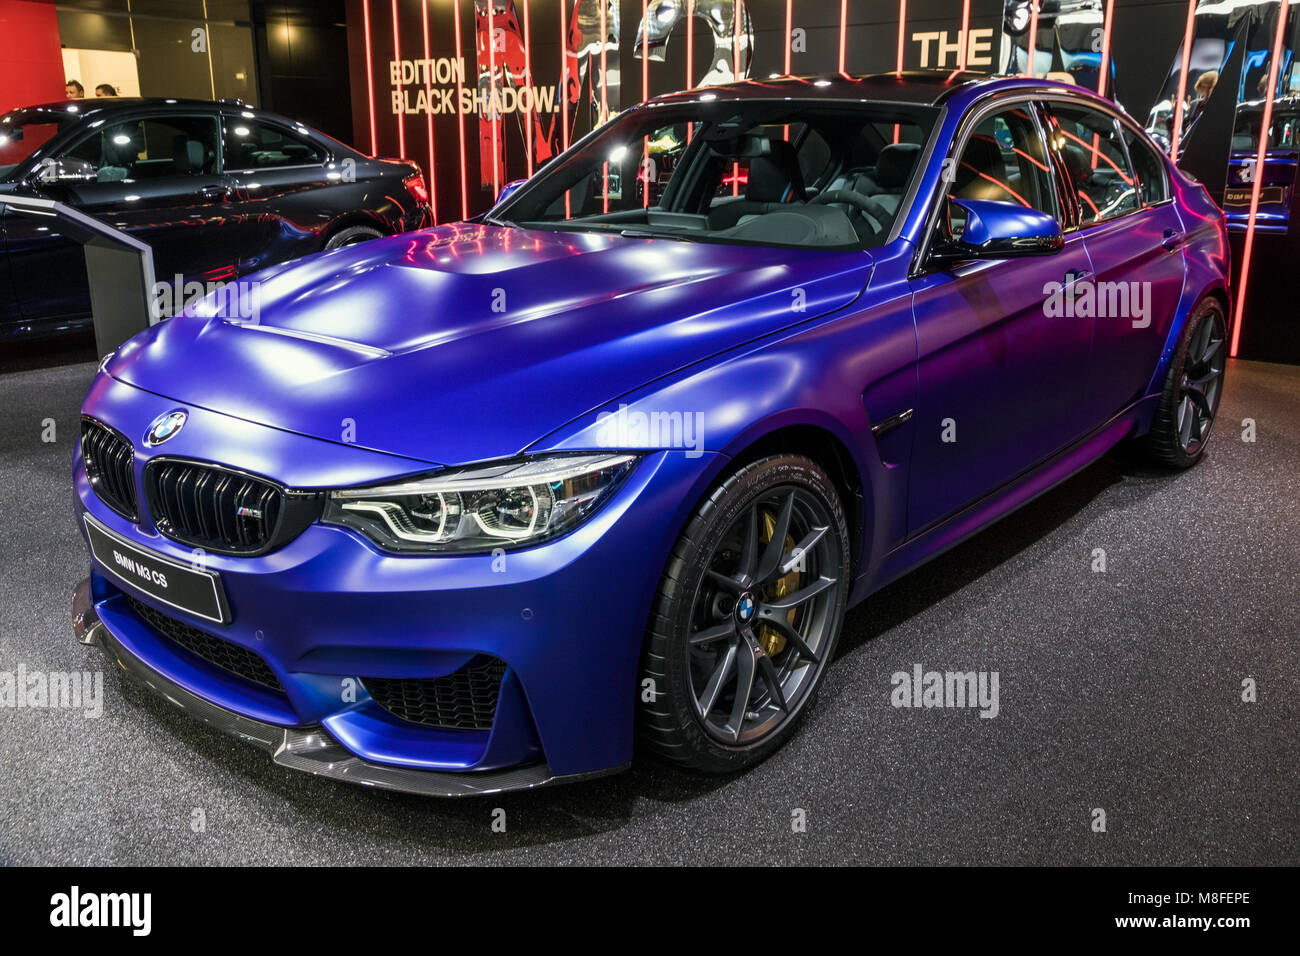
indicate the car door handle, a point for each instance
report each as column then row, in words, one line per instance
column 215, row 193
column 1172, row 239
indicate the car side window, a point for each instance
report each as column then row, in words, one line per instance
column 158, row 147
column 1148, row 164
column 251, row 144
column 1004, row 160
column 1090, row 149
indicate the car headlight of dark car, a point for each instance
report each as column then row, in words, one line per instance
column 483, row 507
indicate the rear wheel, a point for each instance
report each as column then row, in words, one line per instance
column 1190, row 402
column 747, row 617
column 351, row 236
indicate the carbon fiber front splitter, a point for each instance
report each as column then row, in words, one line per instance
column 310, row 749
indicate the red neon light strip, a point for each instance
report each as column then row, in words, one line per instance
column 401, row 117
column 370, row 78
column 493, row 101
column 528, row 78
column 1000, row 184
column 1182, row 82
column 460, row 117
column 564, row 97
column 428, row 87
column 735, row 75
column 844, row 30
column 1265, row 122
column 962, row 43
column 789, row 37
column 902, row 39
column 1033, row 37
column 604, row 97
column 645, row 95
column 1105, row 48
column 690, row 44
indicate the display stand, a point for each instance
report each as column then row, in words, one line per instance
column 119, row 269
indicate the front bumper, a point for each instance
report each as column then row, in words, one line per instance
column 327, row 613
column 310, row 749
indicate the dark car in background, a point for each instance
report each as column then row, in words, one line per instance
column 218, row 190
column 1277, row 179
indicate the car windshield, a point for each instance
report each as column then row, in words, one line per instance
column 22, row 132
column 1284, row 130
column 766, row 172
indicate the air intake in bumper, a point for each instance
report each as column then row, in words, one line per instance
column 465, row 699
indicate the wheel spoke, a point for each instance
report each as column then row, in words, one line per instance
column 800, row 596
column 800, row 551
column 744, row 687
column 792, row 636
column 717, row 680
column 749, row 549
column 728, row 584
column 773, row 681
column 1200, row 401
column 1185, row 416
column 716, row 633
column 771, row 560
column 1211, row 349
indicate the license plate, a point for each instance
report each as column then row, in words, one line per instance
column 175, row 584
column 1241, row 197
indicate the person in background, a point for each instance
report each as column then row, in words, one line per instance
column 105, row 89
column 1205, row 84
column 75, row 90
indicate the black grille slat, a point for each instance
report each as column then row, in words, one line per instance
column 218, row 651
column 110, row 460
column 463, row 700
column 199, row 504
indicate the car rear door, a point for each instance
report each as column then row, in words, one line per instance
column 1134, row 237
column 999, row 373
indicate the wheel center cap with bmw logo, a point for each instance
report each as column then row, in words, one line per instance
column 165, row 427
column 745, row 608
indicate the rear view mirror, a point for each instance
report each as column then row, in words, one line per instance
column 1000, row 230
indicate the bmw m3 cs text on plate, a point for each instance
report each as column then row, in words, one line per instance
column 471, row 508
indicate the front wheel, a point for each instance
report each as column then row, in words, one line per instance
column 747, row 617
column 1193, row 388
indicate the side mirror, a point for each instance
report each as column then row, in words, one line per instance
column 507, row 189
column 65, row 170
column 1000, row 230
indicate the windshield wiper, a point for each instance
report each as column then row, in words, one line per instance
column 651, row 234
column 503, row 223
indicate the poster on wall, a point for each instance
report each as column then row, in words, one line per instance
column 483, row 92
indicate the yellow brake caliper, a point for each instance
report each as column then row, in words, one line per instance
column 772, row 640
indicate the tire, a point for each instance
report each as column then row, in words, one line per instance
column 351, row 236
column 688, row 711
column 1193, row 389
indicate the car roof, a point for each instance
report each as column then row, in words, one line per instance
column 920, row 87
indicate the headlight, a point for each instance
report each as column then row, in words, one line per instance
column 505, row 505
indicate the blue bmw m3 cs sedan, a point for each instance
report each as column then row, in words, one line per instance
column 477, row 507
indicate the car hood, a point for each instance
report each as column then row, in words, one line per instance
column 468, row 342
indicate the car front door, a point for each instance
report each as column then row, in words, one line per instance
column 156, row 177
column 1134, row 237
column 999, row 373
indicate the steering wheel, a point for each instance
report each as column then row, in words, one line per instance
column 864, row 204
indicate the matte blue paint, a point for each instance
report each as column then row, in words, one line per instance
column 398, row 341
